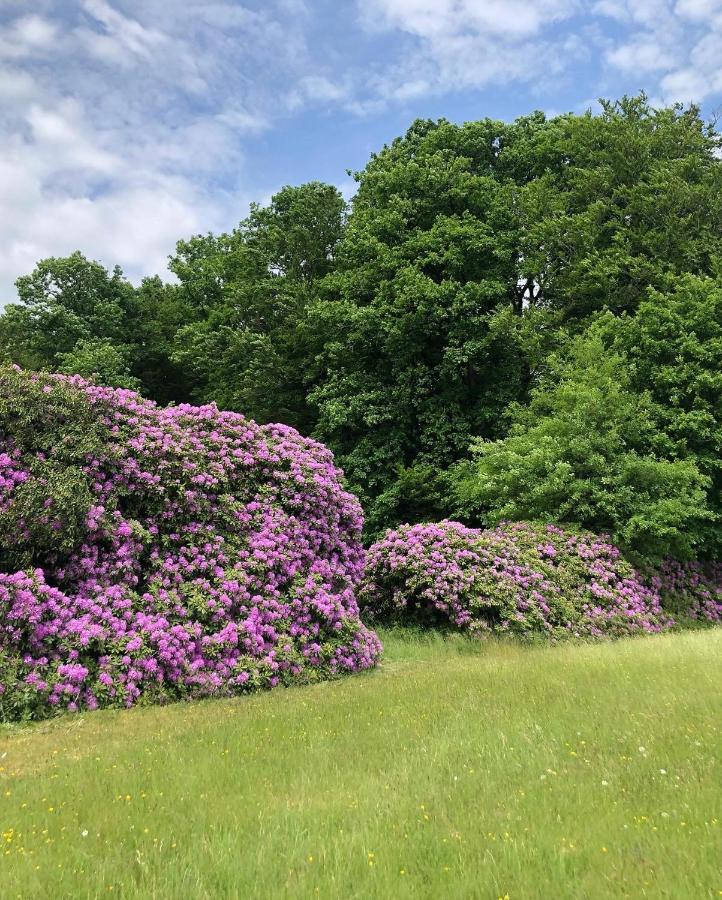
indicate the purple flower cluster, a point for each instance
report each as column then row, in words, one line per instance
column 516, row 578
column 213, row 555
column 694, row 588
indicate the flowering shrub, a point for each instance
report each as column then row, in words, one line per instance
column 516, row 578
column 694, row 589
column 150, row 554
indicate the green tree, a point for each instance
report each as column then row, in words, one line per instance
column 101, row 361
column 415, row 357
column 607, row 205
column 162, row 309
column 77, row 317
column 250, row 289
column 587, row 451
column 404, row 330
column 65, row 300
column 673, row 350
column 471, row 252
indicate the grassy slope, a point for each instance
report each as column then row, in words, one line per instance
column 455, row 770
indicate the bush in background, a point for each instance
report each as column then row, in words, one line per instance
column 517, row 578
column 692, row 588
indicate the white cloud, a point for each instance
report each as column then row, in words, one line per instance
column 127, row 34
column 123, row 122
column 432, row 19
column 669, row 48
column 320, row 88
column 641, row 56
column 16, row 88
column 26, row 35
column 243, row 121
column 613, row 9
column 470, row 43
column 699, row 10
column 34, row 31
column 61, row 134
column 66, row 190
column 678, row 42
column 686, row 85
column 316, row 89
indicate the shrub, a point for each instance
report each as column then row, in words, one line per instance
column 588, row 453
column 517, row 578
column 150, row 554
column 692, row 589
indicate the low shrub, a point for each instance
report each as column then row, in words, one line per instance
column 517, row 578
column 149, row 554
column 691, row 589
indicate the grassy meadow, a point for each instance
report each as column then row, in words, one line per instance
column 457, row 769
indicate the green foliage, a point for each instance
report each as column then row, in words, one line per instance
column 162, row 310
column 247, row 352
column 624, row 433
column 86, row 290
column 49, row 509
column 49, row 416
column 64, row 301
column 76, row 317
column 471, row 251
column 100, row 360
column 583, row 453
column 405, row 329
column 608, row 205
column 22, row 704
column 413, row 362
column 673, row 350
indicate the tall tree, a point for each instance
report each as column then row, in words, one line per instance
column 250, row 290
column 608, row 205
column 416, row 358
column 623, row 433
column 587, row 451
column 65, row 301
column 673, row 351
column 470, row 252
column 75, row 316
column 162, row 310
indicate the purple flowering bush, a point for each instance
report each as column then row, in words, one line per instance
column 517, row 578
column 691, row 589
column 149, row 554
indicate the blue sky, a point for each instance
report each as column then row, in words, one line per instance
column 127, row 124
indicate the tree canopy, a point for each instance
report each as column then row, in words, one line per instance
column 537, row 301
column 586, row 451
column 474, row 250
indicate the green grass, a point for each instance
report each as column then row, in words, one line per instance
column 455, row 770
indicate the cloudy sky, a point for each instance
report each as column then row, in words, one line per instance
column 127, row 124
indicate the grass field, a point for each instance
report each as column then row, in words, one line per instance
column 455, row 770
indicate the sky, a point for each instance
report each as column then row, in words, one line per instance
column 126, row 125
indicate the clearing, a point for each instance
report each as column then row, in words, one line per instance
column 457, row 769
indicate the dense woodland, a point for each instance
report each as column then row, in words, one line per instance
column 509, row 321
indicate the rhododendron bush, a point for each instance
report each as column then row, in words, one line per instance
column 150, row 553
column 516, row 578
column 692, row 588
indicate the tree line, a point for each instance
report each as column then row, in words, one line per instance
column 509, row 321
